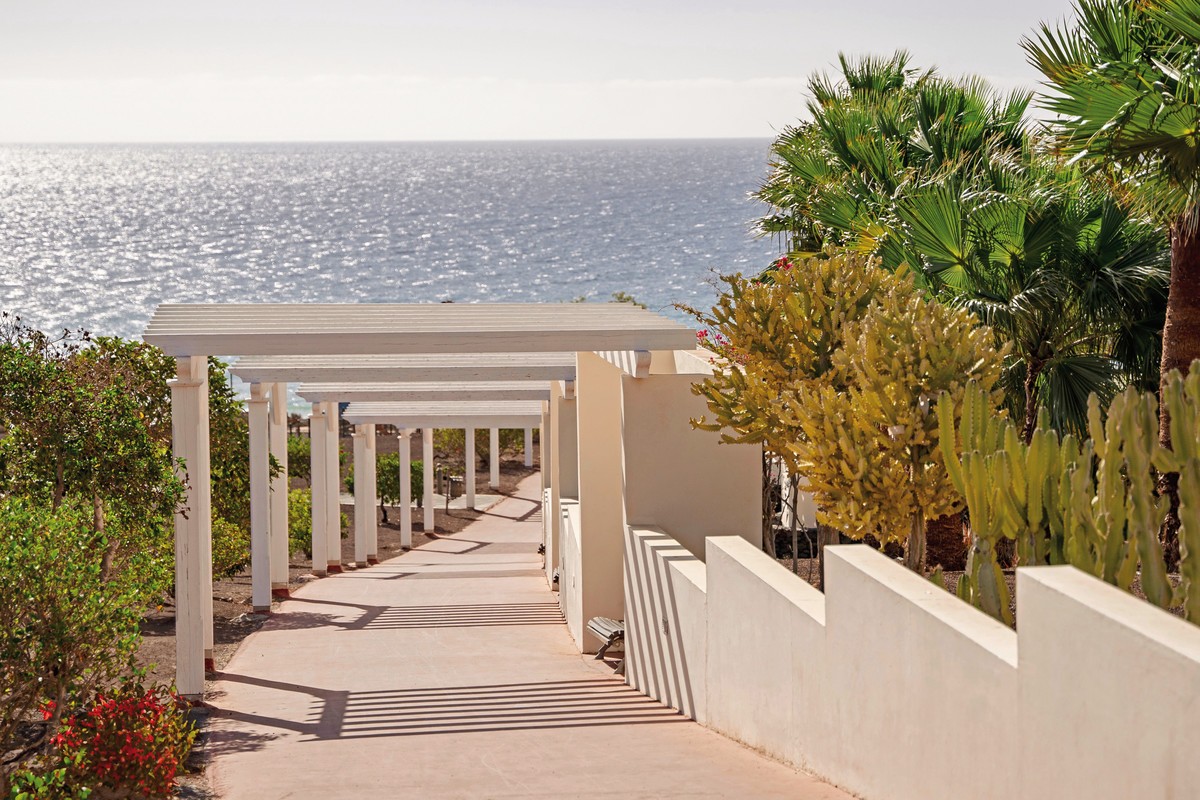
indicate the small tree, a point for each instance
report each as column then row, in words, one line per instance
column 832, row 364
column 387, row 481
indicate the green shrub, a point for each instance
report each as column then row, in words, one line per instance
column 230, row 548
column 299, row 454
column 65, row 628
column 300, row 522
column 54, row 782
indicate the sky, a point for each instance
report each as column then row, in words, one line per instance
column 379, row 70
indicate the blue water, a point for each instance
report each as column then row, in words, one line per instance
column 96, row 236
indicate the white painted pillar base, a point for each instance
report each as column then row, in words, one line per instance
column 278, row 528
column 529, row 447
column 260, row 499
column 427, row 462
column 362, row 505
column 494, row 458
column 469, row 467
column 405, row 489
column 372, row 489
column 189, row 392
column 333, row 474
column 317, row 429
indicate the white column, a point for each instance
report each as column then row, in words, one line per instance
column 278, row 529
column 260, row 499
column 544, row 449
column 333, row 474
column 373, row 484
column 494, row 458
column 362, row 504
column 529, row 447
column 189, row 393
column 405, row 489
column 469, row 467
column 317, row 429
column 427, row 461
column 204, row 505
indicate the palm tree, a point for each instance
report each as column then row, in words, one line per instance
column 944, row 177
column 1125, row 78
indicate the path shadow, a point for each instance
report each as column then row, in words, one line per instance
column 413, row 617
column 500, row 707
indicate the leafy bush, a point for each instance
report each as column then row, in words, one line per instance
column 451, row 442
column 300, row 522
column 230, row 547
column 299, row 452
column 55, row 782
column 64, row 627
column 387, row 480
column 132, row 738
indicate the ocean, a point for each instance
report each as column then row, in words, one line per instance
column 96, row 236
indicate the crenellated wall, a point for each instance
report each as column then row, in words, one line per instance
column 892, row 688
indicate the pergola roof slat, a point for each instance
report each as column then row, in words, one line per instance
column 447, row 414
column 316, row 329
column 441, row 391
column 419, row 367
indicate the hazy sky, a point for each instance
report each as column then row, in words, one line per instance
column 251, row 70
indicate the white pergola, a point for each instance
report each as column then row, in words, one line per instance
column 427, row 416
column 367, row 343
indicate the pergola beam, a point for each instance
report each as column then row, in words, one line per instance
column 320, row 329
column 465, row 367
column 425, row 391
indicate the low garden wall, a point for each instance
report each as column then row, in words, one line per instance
column 570, row 579
column 892, row 688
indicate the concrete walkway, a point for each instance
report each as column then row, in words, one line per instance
column 448, row 673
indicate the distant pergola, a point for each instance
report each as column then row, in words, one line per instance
column 368, row 344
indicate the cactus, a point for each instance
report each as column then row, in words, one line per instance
column 1182, row 397
column 1092, row 505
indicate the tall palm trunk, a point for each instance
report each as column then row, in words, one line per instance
column 1033, row 370
column 1180, row 346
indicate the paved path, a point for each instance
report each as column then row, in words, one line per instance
column 448, row 673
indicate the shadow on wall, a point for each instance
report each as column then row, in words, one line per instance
column 665, row 627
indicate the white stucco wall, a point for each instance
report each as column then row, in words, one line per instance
column 1109, row 692
column 893, row 689
column 570, row 580
column 681, row 479
column 601, row 515
column 665, row 621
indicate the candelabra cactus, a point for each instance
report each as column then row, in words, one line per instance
column 1092, row 504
